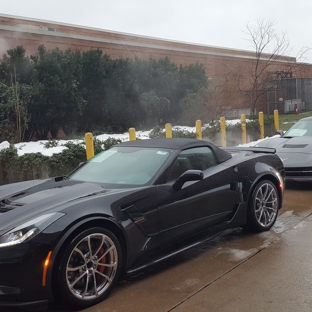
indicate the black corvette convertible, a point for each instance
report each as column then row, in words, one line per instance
column 69, row 238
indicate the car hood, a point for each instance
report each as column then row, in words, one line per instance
column 22, row 201
column 273, row 142
column 294, row 152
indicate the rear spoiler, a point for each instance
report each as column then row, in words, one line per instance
column 254, row 149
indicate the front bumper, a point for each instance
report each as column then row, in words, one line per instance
column 38, row 303
column 302, row 174
column 21, row 275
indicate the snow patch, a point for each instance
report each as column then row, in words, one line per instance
column 39, row 146
column 4, row 144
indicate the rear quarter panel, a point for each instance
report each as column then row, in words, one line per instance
column 254, row 167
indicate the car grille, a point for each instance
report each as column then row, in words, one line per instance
column 298, row 172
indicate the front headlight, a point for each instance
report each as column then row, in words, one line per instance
column 28, row 229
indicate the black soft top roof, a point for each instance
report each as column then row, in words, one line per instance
column 178, row 144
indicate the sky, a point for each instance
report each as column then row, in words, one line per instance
column 219, row 23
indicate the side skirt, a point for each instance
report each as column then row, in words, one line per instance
column 238, row 218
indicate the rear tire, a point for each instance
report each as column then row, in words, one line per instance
column 263, row 207
column 89, row 267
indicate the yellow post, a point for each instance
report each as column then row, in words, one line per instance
column 168, row 128
column 244, row 132
column 261, row 123
column 89, row 145
column 276, row 120
column 223, row 131
column 132, row 135
column 198, row 126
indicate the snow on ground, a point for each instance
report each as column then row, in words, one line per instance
column 254, row 143
column 39, row 146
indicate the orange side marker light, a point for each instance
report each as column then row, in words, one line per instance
column 45, row 268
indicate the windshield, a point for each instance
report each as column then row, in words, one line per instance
column 300, row 129
column 122, row 165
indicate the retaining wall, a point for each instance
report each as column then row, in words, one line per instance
column 13, row 174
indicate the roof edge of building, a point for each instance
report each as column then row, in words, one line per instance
column 161, row 43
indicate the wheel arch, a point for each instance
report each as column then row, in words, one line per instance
column 274, row 180
column 74, row 231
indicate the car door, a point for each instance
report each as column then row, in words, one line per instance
column 200, row 204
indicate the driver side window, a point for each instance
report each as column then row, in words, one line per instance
column 199, row 158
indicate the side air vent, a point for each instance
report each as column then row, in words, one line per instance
column 295, row 145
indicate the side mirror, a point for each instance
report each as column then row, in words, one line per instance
column 280, row 132
column 189, row 175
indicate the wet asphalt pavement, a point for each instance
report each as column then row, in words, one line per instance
column 235, row 271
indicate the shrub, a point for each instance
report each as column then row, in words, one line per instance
column 57, row 165
column 104, row 145
column 159, row 132
column 8, row 155
column 51, row 143
column 66, row 161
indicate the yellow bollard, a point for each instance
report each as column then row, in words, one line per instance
column 198, row 126
column 244, row 132
column 223, row 131
column 168, row 128
column 132, row 134
column 89, row 145
column 276, row 120
column 261, row 123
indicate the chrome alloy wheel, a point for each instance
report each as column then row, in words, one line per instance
column 266, row 204
column 91, row 266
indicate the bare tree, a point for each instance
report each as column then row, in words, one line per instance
column 270, row 56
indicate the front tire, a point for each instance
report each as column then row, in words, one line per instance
column 89, row 267
column 263, row 207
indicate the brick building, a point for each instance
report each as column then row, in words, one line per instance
column 218, row 62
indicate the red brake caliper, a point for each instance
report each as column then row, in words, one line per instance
column 100, row 267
